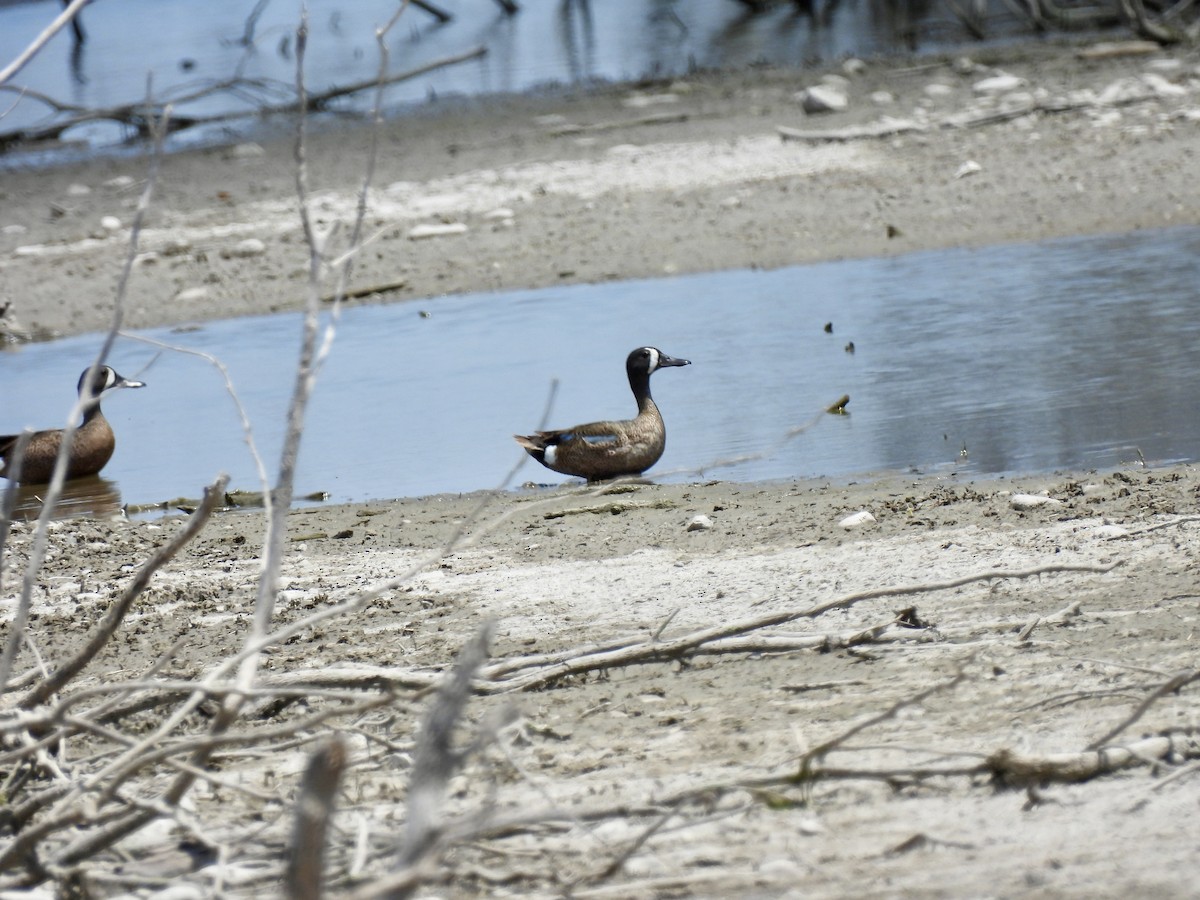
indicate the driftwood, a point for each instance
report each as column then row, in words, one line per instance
column 140, row 116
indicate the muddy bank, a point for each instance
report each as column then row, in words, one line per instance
column 822, row 628
column 625, row 182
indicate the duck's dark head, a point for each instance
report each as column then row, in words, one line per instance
column 105, row 378
column 645, row 361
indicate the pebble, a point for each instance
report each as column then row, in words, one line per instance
column 882, row 98
column 1000, row 83
column 822, row 98
column 860, row 519
column 249, row 150
column 502, row 212
column 1162, row 87
column 641, row 101
column 78, row 190
column 192, row 295
column 700, row 523
column 420, row 232
column 1032, row 501
column 110, row 223
column 243, row 249
column 119, row 183
column 14, row 229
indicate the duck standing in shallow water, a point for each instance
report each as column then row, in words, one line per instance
column 91, row 446
column 602, row 450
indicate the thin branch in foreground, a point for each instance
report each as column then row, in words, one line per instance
column 314, row 811
column 436, row 760
column 58, row 477
column 115, row 615
column 1170, row 686
column 67, row 16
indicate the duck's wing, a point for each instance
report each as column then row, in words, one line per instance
column 593, row 433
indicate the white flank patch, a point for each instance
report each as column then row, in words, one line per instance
column 550, row 455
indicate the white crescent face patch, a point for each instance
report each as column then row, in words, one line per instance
column 653, row 359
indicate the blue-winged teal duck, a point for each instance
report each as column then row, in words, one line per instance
column 91, row 445
column 602, row 450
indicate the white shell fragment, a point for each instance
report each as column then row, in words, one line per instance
column 1032, row 501
column 420, row 232
column 970, row 167
column 860, row 519
column 1000, row 83
column 192, row 295
column 700, row 523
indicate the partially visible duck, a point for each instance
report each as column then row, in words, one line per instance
column 91, row 446
column 601, row 450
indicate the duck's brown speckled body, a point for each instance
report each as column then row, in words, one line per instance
column 92, row 444
column 600, row 450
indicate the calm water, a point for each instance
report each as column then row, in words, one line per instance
column 1069, row 354
column 565, row 42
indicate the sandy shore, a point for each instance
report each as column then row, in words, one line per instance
column 1041, row 623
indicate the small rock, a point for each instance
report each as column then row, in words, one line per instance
column 822, row 99
column 937, row 89
column 860, row 519
column 502, row 212
column 420, row 232
column 1162, row 87
column 700, row 523
column 1032, row 501
column 970, row 167
column 1123, row 90
column 854, row 66
column 110, row 223
column 192, row 295
column 244, row 249
column 78, row 190
column 176, row 247
column 1109, row 532
column 882, row 98
column 1000, row 83
column 641, row 101
column 120, row 183
column 248, row 150
column 14, row 229
column 779, row 869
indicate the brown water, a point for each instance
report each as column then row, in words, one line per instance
column 1073, row 354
